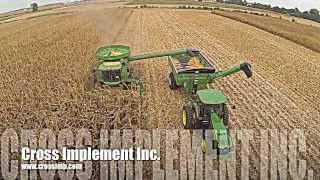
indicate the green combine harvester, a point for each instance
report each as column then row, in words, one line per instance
column 113, row 67
column 191, row 70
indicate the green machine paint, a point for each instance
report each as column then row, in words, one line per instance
column 191, row 70
column 207, row 108
column 113, row 67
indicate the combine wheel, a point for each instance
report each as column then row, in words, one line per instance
column 187, row 117
column 172, row 82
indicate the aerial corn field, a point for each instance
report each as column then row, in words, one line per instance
column 46, row 61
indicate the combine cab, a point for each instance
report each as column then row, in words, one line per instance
column 112, row 69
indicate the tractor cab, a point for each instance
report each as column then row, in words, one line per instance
column 209, row 111
column 213, row 114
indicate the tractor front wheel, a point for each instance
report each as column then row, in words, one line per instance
column 187, row 117
column 172, row 82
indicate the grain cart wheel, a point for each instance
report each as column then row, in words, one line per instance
column 204, row 145
column 187, row 117
column 172, row 82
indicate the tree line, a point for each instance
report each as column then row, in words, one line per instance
column 312, row 14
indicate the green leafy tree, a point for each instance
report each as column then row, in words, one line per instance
column 314, row 12
column 34, row 7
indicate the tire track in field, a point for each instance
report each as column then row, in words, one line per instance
column 235, row 90
column 168, row 32
column 292, row 55
column 304, row 116
column 165, row 103
column 236, row 56
column 180, row 30
column 226, row 55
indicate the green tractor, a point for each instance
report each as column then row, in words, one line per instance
column 207, row 108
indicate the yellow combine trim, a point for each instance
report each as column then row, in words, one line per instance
column 111, row 63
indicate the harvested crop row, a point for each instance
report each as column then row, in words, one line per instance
column 261, row 98
column 163, row 104
column 308, row 35
column 290, row 110
column 191, row 39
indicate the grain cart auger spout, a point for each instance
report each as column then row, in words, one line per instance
column 245, row 67
column 113, row 67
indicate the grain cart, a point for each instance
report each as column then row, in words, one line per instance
column 193, row 71
column 207, row 108
column 113, row 66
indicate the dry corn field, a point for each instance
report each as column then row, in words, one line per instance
column 308, row 34
column 46, row 61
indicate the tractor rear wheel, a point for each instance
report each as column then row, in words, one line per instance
column 204, row 145
column 172, row 82
column 187, row 117
column 225, row 116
